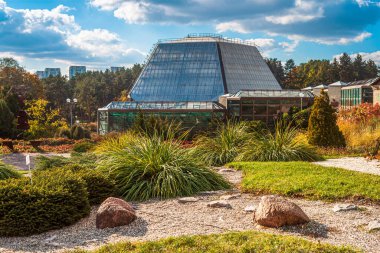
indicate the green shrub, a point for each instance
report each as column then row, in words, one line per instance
column 323, row 130
column 7, row 120
column 77, row 132
column 7, row 171
column 57, row 198
column 282, row 145
column 45, row 162
column 153, row 167
column 223, row 146
column 256, row 126
column 64, row 133
column 83, row 147
column 301, row 118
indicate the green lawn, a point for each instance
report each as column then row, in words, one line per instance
column 255, row 242
column 303, row 179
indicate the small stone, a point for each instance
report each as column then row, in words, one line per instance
column 373, row 226
column 227, row 170
column 114, row 212
column 344, row 207
column 187, row 200
column 51, row 238
column 228, row 197
column 250, row 209
column 219, row 203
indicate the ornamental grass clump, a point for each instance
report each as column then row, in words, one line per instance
column 6, row 171
column 224, row 145
column 154, row 167
column 284, row 144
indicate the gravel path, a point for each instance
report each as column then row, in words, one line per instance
column 18, row 159
column 354, row 163
column 159, row 219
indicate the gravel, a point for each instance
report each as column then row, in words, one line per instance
column 354, row 163
column 160, row 219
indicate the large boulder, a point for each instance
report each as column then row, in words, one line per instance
column 274, row 211
column 114, row 212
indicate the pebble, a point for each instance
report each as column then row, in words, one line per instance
column 187, row 200
column 373, row 226
column 228, row 197
column 219, row 204
column 344, row 207
column 250, row 209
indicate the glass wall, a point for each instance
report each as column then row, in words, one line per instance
column 181, row 72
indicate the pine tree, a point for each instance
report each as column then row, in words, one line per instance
column 323, row 130
column 7, row 120
column 345, row 68
column 359, row 67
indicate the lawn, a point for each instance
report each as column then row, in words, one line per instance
column 303, row 179
column 227, row 243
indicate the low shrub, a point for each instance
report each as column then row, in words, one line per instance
column 154, row 167
column 77, row 132
column 83, row 147
column 50, row 162
column 285, row 144
column 64, row 133
column 223, row 146
column 7, row 171
column 55, row 199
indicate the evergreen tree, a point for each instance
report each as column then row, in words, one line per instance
column 7, row 120
column 371, row 69
column 359, row 67
column 345, row 68
column 323, row 130
column 334, row 71
column 277, row 69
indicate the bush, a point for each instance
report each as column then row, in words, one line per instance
column 223, row 146
column 56, row 199
column 64, row 133
column 256, row 126
column 83, row 147
column 77, row 132
column 85, row 160
column 322, row 129
column 153, row 167
column 6, row 171
column 7, row 120
column 282, row 145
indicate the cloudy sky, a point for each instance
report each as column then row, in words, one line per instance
column 103, row 33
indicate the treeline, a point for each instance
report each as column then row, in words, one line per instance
column 316, row 72
column 92, row 90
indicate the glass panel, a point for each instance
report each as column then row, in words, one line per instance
column 181, row 72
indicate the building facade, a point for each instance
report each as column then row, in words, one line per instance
column 189, row 78
column 359, row 92
column 48, row 72
column 75, row 70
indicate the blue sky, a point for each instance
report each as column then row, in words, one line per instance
column 103, row 33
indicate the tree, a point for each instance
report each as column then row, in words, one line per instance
column 371, row 69
column 359, row 67
column 277, row 69
column 346, row 68
column 43, row 121
column 289, row 65
column 322, row 129
column 7, row 120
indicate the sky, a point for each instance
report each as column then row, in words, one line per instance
column 104, row 33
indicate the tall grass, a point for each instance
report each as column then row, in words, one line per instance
column 284, row 144
column 154, row 166
column 223, row 146
column 7, row 171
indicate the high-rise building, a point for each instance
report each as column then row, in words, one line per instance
column 48, row 72
column 116, row 69
column 74, row 70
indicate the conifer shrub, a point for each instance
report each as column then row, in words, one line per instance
column 77, row 132
column 7, row 171
column 82, row 147
column 323, row 130
column 54, row 199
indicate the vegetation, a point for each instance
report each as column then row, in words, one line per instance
column 83, row 147
column 55, row 199
column 223, row 146
column 316, row 72
column 7, row 120
column 361, row 128
column 51, row 162
column 302, row 179
column 155, row 167
column 43, row 122
column 251, row 241
column 323, row 130
column 6, row 171
column 284, row 144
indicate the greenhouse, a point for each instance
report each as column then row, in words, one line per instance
column 190, row 79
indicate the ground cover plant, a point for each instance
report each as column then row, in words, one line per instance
column 251, row 241
column 307, row 180
column 7, row 171
column 155, row 167
column 53, row 200
column 224, row 145
column 284, row 144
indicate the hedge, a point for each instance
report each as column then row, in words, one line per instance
column 55, row 199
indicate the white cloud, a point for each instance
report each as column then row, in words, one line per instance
column 375, row 56
column 233, row 26
column 289, row 46
column 303, row 11
column 133, row 12
column 363, row 3
column 334, row 41
column 107, row 5
column 18, row 58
